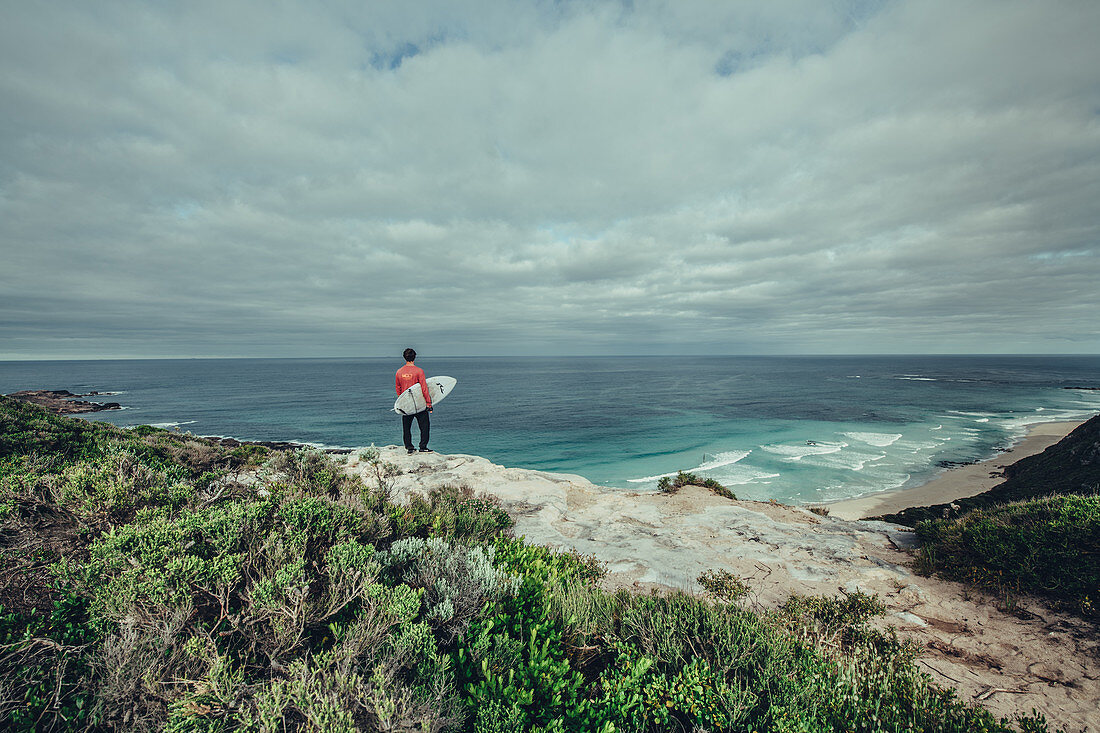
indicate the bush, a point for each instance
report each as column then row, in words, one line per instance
column 459, row 513
column 44, row 667
column 284, row 582
column 669, row 485
column 512, row 662
column 833, row 612
column 26, row 429
column 675, row 662
column 1049, row 547
column 312, row 472
column 723, row 585
column 458, row 581
column 118, row 481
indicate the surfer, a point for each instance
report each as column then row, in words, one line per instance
column 406, row 377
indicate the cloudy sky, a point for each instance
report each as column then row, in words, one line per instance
column 520, row 177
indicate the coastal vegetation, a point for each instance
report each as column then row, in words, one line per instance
column 1037, row 533
column 157, row 581
column 1049, row 547
column 670, row 484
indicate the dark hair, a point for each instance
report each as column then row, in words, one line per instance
column 409, row 355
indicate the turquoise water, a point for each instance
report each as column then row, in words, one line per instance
column 796, row 429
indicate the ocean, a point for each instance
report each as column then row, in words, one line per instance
column 794, row 429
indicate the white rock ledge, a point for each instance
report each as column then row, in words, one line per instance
column 653, row 539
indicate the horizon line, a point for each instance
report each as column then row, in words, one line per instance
column 4, row 360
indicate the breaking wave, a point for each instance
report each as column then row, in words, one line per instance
column 798, row 451
column 879, row 440
column 719, row 460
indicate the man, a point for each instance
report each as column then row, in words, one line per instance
column 406, row 377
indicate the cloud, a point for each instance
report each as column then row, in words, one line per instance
column 572, row 177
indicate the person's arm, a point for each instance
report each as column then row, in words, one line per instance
column 397, row 382
column 424, row 387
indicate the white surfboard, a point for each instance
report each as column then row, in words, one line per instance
column 411, row 401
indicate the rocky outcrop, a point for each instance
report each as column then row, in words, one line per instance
column 652, row 540
column 63, row 402
column 279, row 445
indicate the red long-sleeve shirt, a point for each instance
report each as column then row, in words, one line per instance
column 409, row 375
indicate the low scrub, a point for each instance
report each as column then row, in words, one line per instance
column 670, row 484
column 1049, row 547
column 723, row 585
column 168, row 596
column 44, row 666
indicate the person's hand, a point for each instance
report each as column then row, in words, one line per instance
column 429, row 408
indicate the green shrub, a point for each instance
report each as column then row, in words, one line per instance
column 551, row 567
column 458, row 581
column 669, row 484
column 137, row 657
column 28, row 484
column 723, row 585
column 44, row 667
column 512, row 662
column 676, row 662
column 453, row 512
column 164, row 559
column 833, row 612
column 312, row 472
column 118, row 481
column 208, row 708
column 637, row 695
column 26, row 429
column 382, row 474
column 459, row 513
column 1049, row 547
column 277, row 583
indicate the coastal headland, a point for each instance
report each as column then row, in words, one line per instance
column 63, row 402
column 1036, row 658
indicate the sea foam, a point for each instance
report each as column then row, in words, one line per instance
column 798, row 451
column 879, row 440
column 722, row 459
column 719, row 460
column 849, row 460
column 740, row 475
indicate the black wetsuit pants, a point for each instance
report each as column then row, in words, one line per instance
column 406, row 429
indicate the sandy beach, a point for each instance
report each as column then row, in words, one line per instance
column 956, row 483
